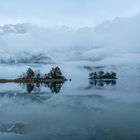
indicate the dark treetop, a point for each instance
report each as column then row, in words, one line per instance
column 103, row 75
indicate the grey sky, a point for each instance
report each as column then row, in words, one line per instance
column 66, row 12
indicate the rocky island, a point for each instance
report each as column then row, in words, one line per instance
column 55, row 75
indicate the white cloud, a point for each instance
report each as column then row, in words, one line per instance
column 116, row 40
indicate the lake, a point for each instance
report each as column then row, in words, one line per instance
column 76, row 110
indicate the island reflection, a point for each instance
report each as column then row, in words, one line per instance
column 17, row 128
column 54, row 87
column 100, row 83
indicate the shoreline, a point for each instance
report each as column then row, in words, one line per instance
column 32, row 80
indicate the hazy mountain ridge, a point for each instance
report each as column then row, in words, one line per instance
column 19, row 28
column 25, row 58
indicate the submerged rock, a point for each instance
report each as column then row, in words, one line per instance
column 18, row 128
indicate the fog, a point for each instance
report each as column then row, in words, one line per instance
column 115, row 41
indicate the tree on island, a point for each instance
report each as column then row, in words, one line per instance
column 55, row 73
column 113, row 74
column 30, row 73
column 102, row 75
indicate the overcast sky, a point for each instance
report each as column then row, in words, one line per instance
column 72, row 13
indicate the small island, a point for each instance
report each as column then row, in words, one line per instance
column 55, row 75
column 103, row 75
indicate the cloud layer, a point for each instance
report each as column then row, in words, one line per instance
column 113, row 41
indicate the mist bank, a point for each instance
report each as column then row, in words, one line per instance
column 111, row 42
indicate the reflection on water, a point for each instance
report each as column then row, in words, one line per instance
column 24, row 98
column 101, row 83
column 75, row 114
column 18, row 128
column 55, row 87
column 26, row 93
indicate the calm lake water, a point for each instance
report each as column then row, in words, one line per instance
column 76, row 110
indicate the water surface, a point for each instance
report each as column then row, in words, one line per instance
column 76, row 110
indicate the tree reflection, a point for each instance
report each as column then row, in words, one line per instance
column 55, row 87
column 30, row 87
column 101, row 83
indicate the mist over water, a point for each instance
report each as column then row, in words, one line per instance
column 80, row 109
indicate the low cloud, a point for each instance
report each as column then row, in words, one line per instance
column 113, row 41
